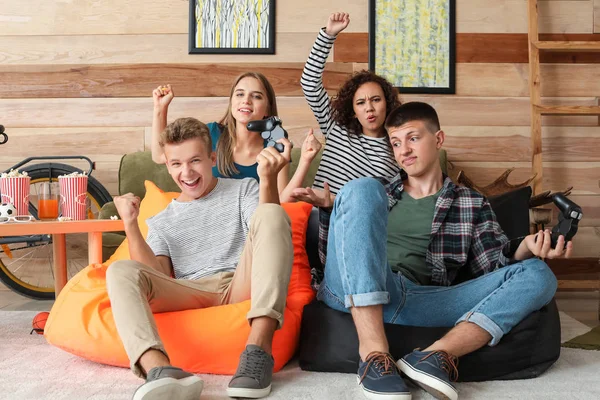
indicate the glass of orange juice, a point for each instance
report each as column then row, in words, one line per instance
column 48, row 200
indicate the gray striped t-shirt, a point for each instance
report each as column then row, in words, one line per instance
column 205, row 236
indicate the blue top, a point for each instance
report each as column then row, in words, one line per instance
column 245, row 171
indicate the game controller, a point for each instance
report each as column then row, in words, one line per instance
column 568, row 218
column 3, row 136
column 271, row 130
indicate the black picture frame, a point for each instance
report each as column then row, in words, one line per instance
column 193, row 49
column 450, row 86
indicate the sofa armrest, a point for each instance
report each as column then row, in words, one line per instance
column 108, row 210
column 110, row 243
column 110, row 240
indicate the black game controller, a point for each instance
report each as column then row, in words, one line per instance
column 271, row 130
column 3, row 136
column 568, row 218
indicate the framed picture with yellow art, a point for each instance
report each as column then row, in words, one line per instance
column 412, row 44
column 232, row 27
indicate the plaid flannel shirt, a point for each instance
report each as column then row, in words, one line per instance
column 466, row 240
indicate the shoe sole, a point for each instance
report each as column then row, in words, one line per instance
column 188, row 388
column 249, row 393
column 383, row 396
column 434, row 386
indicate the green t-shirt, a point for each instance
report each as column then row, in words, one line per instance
column 409, row 230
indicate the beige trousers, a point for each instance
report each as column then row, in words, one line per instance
column 262, row 275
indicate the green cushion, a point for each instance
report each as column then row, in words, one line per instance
column 110, row 242
column 444, row 161
column 108, row 210
column 137, row 167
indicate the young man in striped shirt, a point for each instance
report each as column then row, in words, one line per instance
column 397, row 253
column 201, row 252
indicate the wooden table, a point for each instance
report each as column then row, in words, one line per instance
column 58, row 230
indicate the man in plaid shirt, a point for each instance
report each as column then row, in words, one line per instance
column 421, row 251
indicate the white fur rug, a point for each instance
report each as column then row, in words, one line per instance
column 32, row 369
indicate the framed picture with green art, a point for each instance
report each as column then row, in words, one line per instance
column 232, row 27
column 412, row 44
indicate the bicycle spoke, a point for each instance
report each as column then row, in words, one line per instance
column 51, row 262
column 14, row 271
column 26, row 259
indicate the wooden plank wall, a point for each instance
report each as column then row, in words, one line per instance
column 76, row 78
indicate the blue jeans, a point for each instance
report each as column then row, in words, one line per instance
column 357, row 274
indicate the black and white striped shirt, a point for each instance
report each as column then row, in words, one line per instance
column 345, row 157
column 205, row 236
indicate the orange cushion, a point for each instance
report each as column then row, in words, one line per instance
column 206, row 340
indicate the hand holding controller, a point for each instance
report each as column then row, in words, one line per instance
column 568, row 218
column 271, row 130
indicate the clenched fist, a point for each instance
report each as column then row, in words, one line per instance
column 270, row 161
column 310, row 147
column 128, row 207
column 162, row 97
column 336, row 23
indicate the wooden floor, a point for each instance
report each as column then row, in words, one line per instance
column 11, row 301
column 583, row 306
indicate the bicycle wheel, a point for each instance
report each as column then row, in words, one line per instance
column 26, row 261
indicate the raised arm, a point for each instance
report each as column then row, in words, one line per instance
column 312, row 75
column 162, row 97
column 310, row 149
column 128, row 207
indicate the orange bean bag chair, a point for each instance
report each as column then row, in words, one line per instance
column 207, row 340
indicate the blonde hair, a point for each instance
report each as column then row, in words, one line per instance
column 183, row 129
column 228, row 138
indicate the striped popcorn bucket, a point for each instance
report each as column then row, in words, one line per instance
column 73, row 196
column 15, row 190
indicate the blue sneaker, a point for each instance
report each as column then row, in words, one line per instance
column 433, row 371
column 380, row 378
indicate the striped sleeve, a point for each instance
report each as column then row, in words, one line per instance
column 156, row 241
column 312, row 81
column 249, row 200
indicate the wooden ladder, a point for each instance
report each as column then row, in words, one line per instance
column 537, row 108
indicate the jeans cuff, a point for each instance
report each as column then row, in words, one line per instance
column 484, row 323
column 367, row 299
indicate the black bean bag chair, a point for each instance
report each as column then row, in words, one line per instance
column 329, row 342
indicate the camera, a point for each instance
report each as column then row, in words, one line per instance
column 271, row 130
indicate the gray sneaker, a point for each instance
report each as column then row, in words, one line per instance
column 169, row 383
column 253, row 376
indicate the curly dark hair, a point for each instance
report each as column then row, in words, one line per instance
column 341, row 104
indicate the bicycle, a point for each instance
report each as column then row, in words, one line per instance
column 26, row 261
